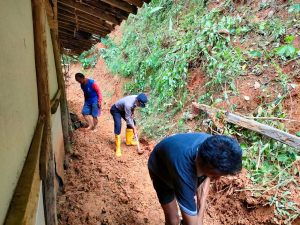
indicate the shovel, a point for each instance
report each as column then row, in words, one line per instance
column 139, row 150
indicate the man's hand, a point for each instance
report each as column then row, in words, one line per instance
column 202, row 193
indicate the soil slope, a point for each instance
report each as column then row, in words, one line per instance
column 99, row 188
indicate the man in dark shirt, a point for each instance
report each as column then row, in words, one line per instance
column 180, row 163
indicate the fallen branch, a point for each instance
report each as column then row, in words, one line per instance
column 263, row 129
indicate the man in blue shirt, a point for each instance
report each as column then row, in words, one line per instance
column 92, row 100
column 180, row 163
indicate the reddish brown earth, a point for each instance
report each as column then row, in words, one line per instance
column 100, row 188
column 103, row 189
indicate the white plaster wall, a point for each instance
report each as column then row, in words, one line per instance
column 18, row 94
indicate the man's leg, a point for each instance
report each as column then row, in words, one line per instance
column 86, row 111
column 95, row 113
column 171, row 213
column 95, row 122
column 117, row 128
column 89, row 121
column 166, row 198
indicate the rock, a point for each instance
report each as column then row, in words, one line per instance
column 271, row 13
column 247, row 98
column 256, row 85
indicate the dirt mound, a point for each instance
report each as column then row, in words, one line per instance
column 228, row 203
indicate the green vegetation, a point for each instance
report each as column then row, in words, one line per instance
column 159, row 46
column 167, row 39
column 88, row 59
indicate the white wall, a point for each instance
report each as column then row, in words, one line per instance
column 18, row 94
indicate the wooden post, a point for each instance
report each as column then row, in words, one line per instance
column 47, row 164
column 61, row 86
column 263, row 129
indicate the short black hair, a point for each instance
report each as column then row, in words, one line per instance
column 80, row 75
column 221, row 153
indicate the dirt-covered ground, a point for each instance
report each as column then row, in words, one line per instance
column 100, row 188
column 103, row 189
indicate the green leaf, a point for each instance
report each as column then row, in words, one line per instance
column 294, row 8
column 289, row 39
column 255, row 54
column 286, row 51
column 170, row 25
column 283, row 158
column 298, row 133
column 155, row 9
column 218, row 100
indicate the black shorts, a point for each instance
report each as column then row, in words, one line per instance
column 164, row 192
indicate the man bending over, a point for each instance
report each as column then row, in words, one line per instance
column 180, row 163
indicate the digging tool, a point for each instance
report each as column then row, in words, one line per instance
column 139, row 150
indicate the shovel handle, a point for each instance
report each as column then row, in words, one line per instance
column 138, row 144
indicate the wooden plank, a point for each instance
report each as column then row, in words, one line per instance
column 93, row 25
column 55, row 101
column 91, row 30
column 122, row 5
column 89, row 10
column 263, row 129
column 47, row 164
column 99, row 29
column 68, row 44
column 50, row 14
column 137, row 3
column 61, row 84
column 66, row 10
column 24, row 202
column 68, row 36
column 94, row 19
column 110, row 10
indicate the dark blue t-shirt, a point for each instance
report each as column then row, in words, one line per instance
column 173, row 161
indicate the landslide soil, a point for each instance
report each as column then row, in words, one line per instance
column 100, row 188
column 103, row 189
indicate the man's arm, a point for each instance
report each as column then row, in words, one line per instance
column 128, row 115
column 98, row 91
column 202, row 193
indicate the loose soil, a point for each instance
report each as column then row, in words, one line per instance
column 103, row 189
column 100, row 188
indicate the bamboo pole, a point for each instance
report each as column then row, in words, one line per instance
column 263, row 129
column 47, row 164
